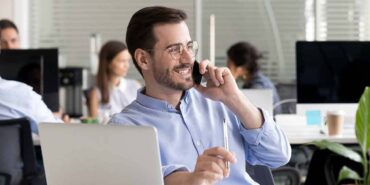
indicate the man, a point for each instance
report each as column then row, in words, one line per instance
column 18, row 99
column 189, row 117
column 9, row 37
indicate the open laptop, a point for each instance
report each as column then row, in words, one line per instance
column 79, row 154
column 261, row 98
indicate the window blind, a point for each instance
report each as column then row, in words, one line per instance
column 342, row 20
column 69, row 24
column 256, row 21
column 272, row 26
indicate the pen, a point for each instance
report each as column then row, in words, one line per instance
column 226, row 141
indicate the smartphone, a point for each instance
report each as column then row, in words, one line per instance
column 197, row 77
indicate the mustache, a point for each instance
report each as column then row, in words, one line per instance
column 181, row 66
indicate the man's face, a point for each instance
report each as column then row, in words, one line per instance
column 166, row 70
column 9, row 39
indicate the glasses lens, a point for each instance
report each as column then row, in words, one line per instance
column 193, row 48
column 177, row 50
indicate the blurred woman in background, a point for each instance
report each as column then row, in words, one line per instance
column 113, row 92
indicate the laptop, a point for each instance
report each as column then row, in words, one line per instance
column 261, row 98
column 85, row 154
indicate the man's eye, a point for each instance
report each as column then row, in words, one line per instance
column 174, row 49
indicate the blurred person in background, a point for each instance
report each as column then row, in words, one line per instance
column 242, row 60
column 113, row 91
column 9, row 39
column 9, row 36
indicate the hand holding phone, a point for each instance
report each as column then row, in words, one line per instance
column 197, row 77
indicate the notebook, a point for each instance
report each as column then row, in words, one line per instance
column 261, row 98
column 85, row 154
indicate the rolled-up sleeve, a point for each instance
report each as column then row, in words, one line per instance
column 168, row 169
column 267, row 145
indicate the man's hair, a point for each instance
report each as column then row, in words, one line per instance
column 140, row 28
column 244, row 54
column 5, row 23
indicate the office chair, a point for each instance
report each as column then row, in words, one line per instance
column 86, row 93
column 17, row 156
column 325, row 166
column 287, row 106
column 4, row 179
column 286, row 175
column 260, row 174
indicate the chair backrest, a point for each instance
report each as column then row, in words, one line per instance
column 86, row 93
column 4, row 179
column 17, row 156
column 325, row 166
column 260, row 174
column 286, row 175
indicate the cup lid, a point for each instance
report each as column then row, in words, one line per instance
column 336, row 112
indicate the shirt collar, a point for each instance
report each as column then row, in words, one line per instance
column 158, row 104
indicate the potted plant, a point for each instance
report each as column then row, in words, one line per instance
column 362, row 130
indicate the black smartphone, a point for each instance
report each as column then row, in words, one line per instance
column 197, row 77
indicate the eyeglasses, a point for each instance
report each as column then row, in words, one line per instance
column 177, row 49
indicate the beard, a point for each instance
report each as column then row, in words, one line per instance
column 166, row 77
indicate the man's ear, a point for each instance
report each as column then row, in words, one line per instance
column 142, row 58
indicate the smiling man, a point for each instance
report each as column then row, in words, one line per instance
column 9, row 36
column 189, row 117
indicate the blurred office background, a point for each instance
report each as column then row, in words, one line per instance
column 273, row 26
column 79, row 27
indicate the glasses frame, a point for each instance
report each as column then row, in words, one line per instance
column 176, row 53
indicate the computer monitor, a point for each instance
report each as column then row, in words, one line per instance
column 331, row 74
column 35, row 67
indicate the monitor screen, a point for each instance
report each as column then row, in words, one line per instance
column 332, row 71
column 36, row 67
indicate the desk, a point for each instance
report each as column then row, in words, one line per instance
column 299, row 133
column 296, row 133
column 36, row 138
column 302, row 137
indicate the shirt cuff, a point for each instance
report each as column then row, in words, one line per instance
column 253, row 136
column 168, row 169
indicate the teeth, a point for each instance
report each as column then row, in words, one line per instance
column 185, row 71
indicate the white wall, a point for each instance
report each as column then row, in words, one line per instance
column 6, row 9
column 17, row 11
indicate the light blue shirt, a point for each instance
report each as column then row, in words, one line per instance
column 19, row 100
column 186, row 133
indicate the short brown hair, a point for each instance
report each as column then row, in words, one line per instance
column 140, row 28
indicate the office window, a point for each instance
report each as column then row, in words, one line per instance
column 69, row 24
column 272, row 26
column 342, row 20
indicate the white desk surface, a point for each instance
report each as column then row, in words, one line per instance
column 303, row 137
column 299, row 133
column 296, row 131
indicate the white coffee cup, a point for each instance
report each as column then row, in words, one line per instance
column 334, row 121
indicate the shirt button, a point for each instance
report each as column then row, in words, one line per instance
column 198, row 143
